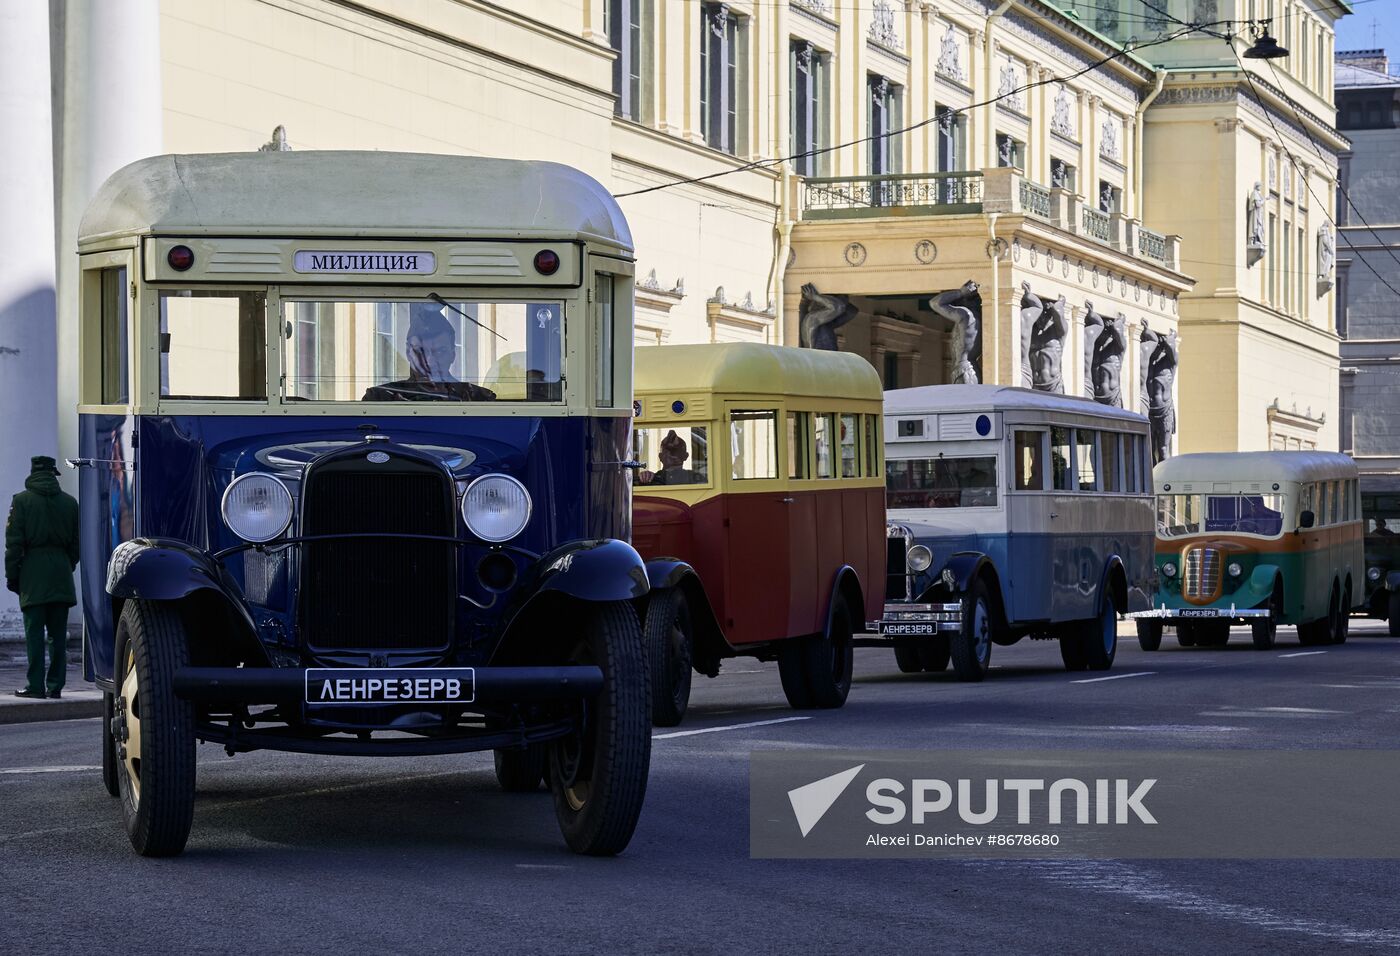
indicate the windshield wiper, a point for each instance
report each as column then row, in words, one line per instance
column 443, row 302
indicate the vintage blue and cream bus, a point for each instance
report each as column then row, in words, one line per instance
column 354, row 437
column 1012, row 513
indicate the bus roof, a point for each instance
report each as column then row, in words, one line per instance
column 971, row 398
column 1255, row 466
column 751, row 368
column 352, row 194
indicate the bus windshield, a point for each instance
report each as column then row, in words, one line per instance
column 423, row 351
column 1179, row 515
column 678, row 455
column 941, row 482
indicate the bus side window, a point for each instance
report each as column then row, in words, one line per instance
column 603, row 342
column 1109, row 452
column 872, row 446
column 850, row 460
column 1130, row 465
column 116, row 383
column 753, row 443
column 799, row 428
column 1334, row 512
column 1086, row 459
column 1061, row 459
column 824, row 432
column 1030, row 461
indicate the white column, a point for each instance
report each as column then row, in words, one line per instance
column 111, row 116
column 28, row 364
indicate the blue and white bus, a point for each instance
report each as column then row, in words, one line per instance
column 1012, row 513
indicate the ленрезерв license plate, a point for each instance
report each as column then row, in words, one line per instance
column 390, row 685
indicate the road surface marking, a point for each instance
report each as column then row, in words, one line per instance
column 1301, row 710
column 715, row 730
column 1302, row 654
column 48, row 769
column 1095, row 680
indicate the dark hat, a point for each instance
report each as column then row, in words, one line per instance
column 426, row 321
column 43, row 465
column 674, row 445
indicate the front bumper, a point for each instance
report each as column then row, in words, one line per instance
column 917, row 620
column 1169, row 615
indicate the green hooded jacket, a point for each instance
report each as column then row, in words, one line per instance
column 41, row 543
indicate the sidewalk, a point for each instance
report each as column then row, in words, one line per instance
column 80, row 699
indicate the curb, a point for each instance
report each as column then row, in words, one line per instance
column 41, row 711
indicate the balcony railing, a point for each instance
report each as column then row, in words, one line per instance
column 1098, row 225
column 1151, row 244
column 1035, row 199
column 892, row 194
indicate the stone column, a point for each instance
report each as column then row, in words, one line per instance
column 28, row 360
column 1132, row 367
column 110, row 102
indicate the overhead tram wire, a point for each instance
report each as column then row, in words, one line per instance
column 769, row 163
column 1278, row 135
column 1318, row 149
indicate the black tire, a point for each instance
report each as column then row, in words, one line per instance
column 1214, row 634
column 1101, row 636
column 1393, row 620
column 1186, row 634
column 934, row 653
column 909, row 657
column 1341, row 625
column 816, row 670
column 1072, row 648
column 971, row 647
column 156, row 743
column 109, row 748
column 1149, row 633
column 1263, row 631
column 522, row 770
column 598, row 775
column 1313, row 633
column 669, row 636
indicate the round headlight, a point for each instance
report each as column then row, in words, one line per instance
column 257, row 507
column 1235, row 569
column 1374, row 574
column 919, row 558
column 496, row 507
column 1169, row 569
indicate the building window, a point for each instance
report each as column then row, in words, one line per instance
column 1110, row 198
column 1272, row 278
column 1010, row 151
column 623, row 24
column 885, row 102
column 722, row 74
column 1062, row 175
column 952, row 139
column 809, row 69
column 891, row 370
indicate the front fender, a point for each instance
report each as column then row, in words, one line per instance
column 602, row 570
column 164, row 569
column 964, row 567
column 667, row 572
column 1260, row 586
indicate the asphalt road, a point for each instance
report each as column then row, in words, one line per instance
column 424, row 855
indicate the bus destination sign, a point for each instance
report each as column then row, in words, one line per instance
column 362, row 263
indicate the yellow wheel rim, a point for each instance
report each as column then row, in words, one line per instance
column 132, row 718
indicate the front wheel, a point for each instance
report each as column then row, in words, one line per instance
column 934, row 653
column 1264, row 631
column 1149, row 634
column 109, row 748
column 598, row 774
column 154, row 730
column 521, row 769
column 908, row 658
column 669, row 641
column 971, row 647
column 1393, row 621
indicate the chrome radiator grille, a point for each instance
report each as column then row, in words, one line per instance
column 1201, row 574
column 896, row 556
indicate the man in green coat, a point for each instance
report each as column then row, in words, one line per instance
column 41, row 551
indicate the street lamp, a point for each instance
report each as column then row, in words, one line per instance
column 1265, row 47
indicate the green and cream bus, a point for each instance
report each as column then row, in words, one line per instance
column 1257, row 538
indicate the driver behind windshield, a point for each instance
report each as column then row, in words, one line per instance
column 431, row 349
column 673, row 455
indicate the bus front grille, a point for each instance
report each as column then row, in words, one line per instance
column 1201, row 574
column 896, row 557
column 377, row 593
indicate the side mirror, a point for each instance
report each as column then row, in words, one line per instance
column 1306, row 520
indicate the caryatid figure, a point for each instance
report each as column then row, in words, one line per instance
column 963, row 307
column 1048, row 348
column 1146, row 346
column 1109, row 349
column 1031, row 309
column 1093, row 327
column 1161, row 407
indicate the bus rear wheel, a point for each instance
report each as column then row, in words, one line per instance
column 669, row 635
column 1341, row 624
column 816, row 670
column 1101, row 639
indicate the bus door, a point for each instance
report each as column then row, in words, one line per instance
column 757, row 510
column 1075, row 561
column 1029, row 569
